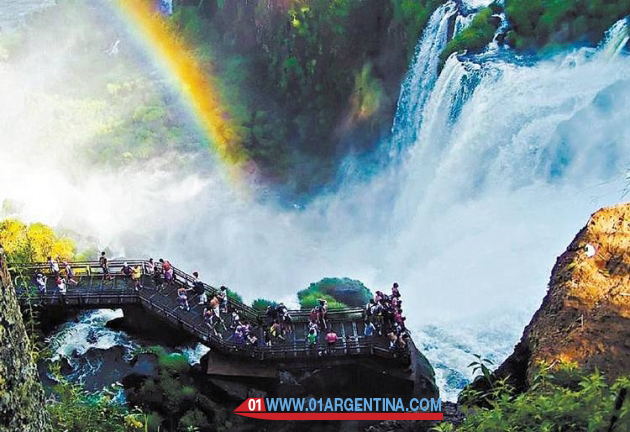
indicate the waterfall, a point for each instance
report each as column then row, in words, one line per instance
column 510, row 159
column 616, row 39
column 421, row 77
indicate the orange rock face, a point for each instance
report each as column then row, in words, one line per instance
column 585, row 316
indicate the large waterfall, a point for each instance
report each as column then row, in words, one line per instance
column 500, row 161
column 510, row 159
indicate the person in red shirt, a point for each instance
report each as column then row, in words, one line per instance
column 331, row 339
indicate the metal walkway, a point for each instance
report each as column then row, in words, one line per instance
column 94, row 291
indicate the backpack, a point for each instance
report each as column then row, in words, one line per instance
column 198, row 287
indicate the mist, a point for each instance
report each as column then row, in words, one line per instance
column 468, row 219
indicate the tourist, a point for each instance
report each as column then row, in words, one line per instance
column 149, row 267
column 392, row 340
column 61, row 287
column 158, row 278
column 69, row 274
column 312, row 337
column 223, row 298
column 322, row 310
column 276, row 331
column 369, row 330
column 237, row 336
column 250, row 339
column 182, row 296
column 368, row 310
column 331, row 340
column 40, row 281
column 53, row 266
column 167, row 268
column 136, row 276
column 267, row 336
column 104, row 263
column 126, row 270
column 199, row 289
column 395, row 292
column 236, row 320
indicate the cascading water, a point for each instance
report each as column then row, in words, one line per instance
column 507, row 153
column 616, row 39
column 503, row 160
column 419, row 82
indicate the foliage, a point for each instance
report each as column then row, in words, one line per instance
column 34, row 242
column 566, row 399
column 547, row 23
column 481, row 365
column 339, row 292
column 234, row 296
column 475, row 37
column 173, row 364
column 173, row 397
column 193, row 420
column 76, row 410
column 261, row 304
column 309, row 300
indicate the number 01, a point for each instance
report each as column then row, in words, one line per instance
column 251, row 404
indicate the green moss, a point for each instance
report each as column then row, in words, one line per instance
column 474, row 37
column 538, row 23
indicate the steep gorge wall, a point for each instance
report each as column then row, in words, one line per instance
column 21, row 394
column 585, row 316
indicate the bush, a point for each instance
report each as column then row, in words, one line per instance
column 339, row 292
column 310, row 299
column 194, row 420
column 567, row 399
column 174, row 364
column 234, row 296
column 75, row 409
column 542, row 23
column 261, row 304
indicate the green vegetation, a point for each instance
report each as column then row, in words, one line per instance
column 174, row 399
column 301, row 82
column 476, row 36
column 547, row 24
column 261, row 304
column 34, row 242
column 234, row 296
column 339, row 293
column 75, row 410
column 567, row 399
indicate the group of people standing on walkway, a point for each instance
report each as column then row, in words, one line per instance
column 384, row 317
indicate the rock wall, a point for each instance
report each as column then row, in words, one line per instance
column 585, row 316
column 21, row 394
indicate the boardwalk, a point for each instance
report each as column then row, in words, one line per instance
column 94, row 292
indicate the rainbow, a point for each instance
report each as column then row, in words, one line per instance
column 197, row 86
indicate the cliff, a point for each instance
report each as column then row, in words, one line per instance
column 585, row 316
column 21, row 395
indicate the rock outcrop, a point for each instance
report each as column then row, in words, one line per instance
column 21, row 394
column 585, row 316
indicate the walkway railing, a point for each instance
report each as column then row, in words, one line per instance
column 95, row 291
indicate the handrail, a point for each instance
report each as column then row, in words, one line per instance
column 352, row 345
column 246, row 310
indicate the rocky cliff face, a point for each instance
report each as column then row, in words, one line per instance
column 21, row 395
column 585, row 316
